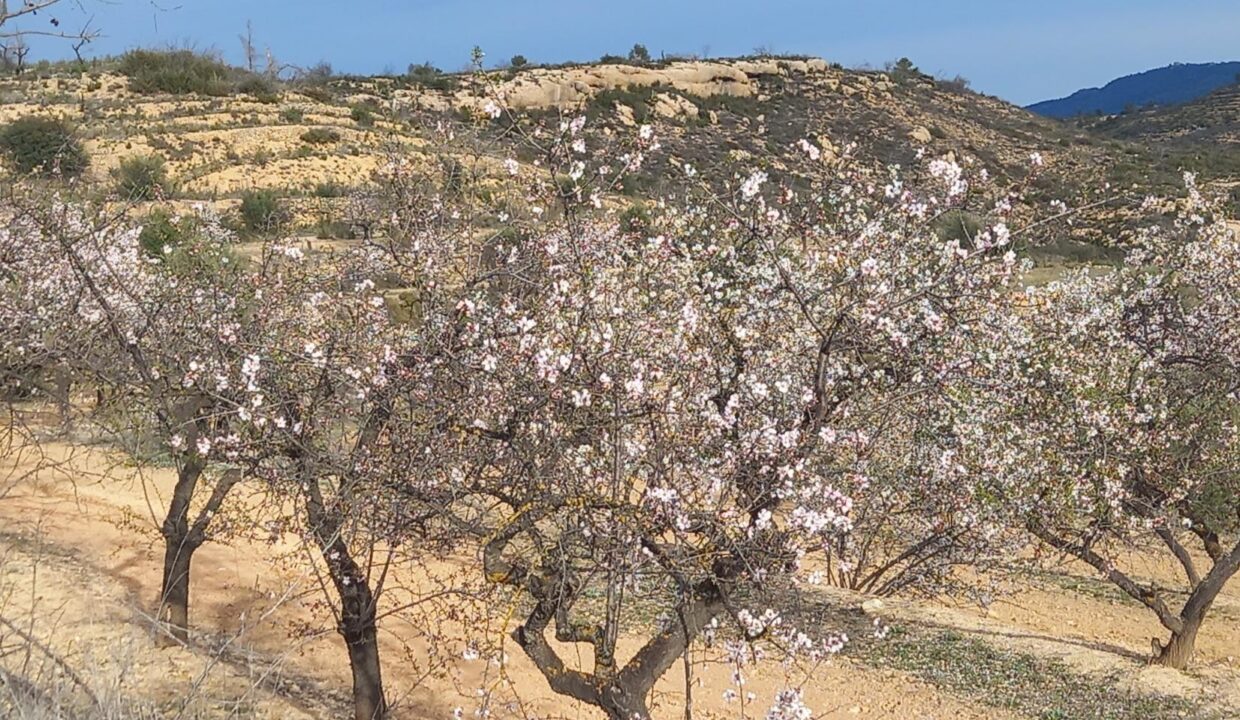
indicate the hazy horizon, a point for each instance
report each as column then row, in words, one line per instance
column 1003, row 51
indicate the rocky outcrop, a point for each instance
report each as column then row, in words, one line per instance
column 566, row 88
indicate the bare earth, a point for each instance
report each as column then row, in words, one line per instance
column 80, row 546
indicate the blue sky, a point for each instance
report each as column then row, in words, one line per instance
column 1019, row 50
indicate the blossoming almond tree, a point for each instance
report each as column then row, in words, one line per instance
column 173, row 346
column 327, row 397
column 1112, row 421
column 674, row 424
column 82, row 288
column 274, row 370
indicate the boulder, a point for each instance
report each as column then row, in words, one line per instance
column 921, row 135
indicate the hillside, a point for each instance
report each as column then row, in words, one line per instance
column 1212, row 120
column 318, row 140
column 217, row 145
column 1170, row 85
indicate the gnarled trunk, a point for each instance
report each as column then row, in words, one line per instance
column 181, row 541
column 1179, row 650
column 622, row 703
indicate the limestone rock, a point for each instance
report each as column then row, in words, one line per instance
column 674, row 106
column 873, row 607
column 624, row 113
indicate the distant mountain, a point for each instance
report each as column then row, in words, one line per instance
column 1170, row 85
column 1210, row 123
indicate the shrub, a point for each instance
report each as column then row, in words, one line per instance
column 160, row 233
column 262, row 211
column 320, row 136
column 639, row 54
column 43, row 145
column 260, row 88
column 177, row 72
column 903, row 69
column 362, row 116
column 330, row 190
column 292, row 115
column 431, row 77
column 958, row 84
column 330, row 229
column 453, row 174
column 318, row 93
column 635, row 219
column 317, row 74
column 518, row 61
column 640, row 99
column 141, row 177
column 959, row 226
column 262, row 156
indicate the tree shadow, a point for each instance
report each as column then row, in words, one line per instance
column 1095, row 645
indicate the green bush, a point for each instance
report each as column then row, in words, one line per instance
column 292, row 115
column 362, row 116
column 518, row 61
column 262, row 211
column 635, row 219
column 260, row 88
column 330, row 190
column 903, row 69
column 453, row 174
column 640, row 99
column 431, row 77
column 959, row 226
column 177, row 72
column 320, row 136
column 160, row 234
column 141, row 177
column 43, row 145
column 318, row 93
column 329, row 229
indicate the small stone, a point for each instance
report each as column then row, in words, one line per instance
column 872, row 607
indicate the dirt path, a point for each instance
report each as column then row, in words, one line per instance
column 84, row 537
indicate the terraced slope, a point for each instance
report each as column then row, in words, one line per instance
column 316, row 141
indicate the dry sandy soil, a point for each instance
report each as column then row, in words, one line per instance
column 79, row 570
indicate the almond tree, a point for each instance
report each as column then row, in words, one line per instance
column 168, row 344
column 675, row 423
column 359, row 441
column 311, row 388
column 1111, row 419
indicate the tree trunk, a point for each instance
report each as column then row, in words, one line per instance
column 358, row 627
column 174, row 591
column 179, row 549
column 1179, row 650
column 623, row 704
column 360, row 636
column 358, row 623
